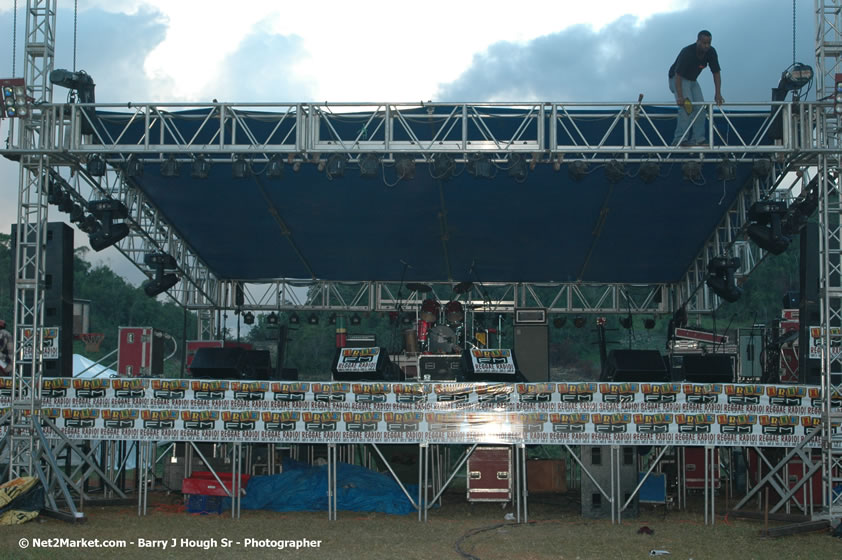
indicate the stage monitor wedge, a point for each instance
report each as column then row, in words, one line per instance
column 636, row 366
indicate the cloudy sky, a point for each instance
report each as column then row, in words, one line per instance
column 372, row 50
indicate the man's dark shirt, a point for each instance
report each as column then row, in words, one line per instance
column 689, row 66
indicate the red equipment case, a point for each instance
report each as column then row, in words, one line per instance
column 140, row 352
column 694, row 468
column 490, row 474
column 204, row 483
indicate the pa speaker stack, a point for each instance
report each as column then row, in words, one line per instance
column 708, row 368
column 232, row 363
column 636, row 366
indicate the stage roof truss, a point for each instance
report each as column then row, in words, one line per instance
column 552, row 129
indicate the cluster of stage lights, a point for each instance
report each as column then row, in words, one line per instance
column 97, row 218
column 274, row 319
column 441, row 167
column 14, row 103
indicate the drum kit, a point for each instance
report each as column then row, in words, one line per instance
column 438, row 331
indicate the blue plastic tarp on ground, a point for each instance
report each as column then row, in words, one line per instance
column 302, row 487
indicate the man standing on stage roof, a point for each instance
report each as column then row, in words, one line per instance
column 688, row 95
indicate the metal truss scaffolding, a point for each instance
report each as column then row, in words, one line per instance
column 51, row 146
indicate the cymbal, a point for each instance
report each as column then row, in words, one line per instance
column 463, row 287
column 417, row 287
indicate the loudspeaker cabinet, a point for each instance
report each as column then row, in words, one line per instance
column 490, row 474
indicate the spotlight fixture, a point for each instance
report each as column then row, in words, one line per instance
column 248, row 318
column 405, row 167
column 480, row 166
column 200, row 168
column 720, row 278
column 272, row 319
column 134, row 167
column 293, row 319
column 84, row 88
column 766, row 232
column 649, row 171
column 355, row 319
column 577, row 169
column 77, row 214
column 107, row 211
column 796, row 77
column 95, row 165
column 332, row 319
column 170, row 167
column 335, row 166
column 615, row 171
column 442, row 167
column 275, row 167
column 649, row 323
column 163, row 280
column 761, row 168
column 313, row 319
column 626, row 322
column 692, row 171
column 559, row 322
column 726, row 170
column 518, row 169
column 406, row 319
column 66, row 204
column 240, row 168
column 579, row 321
column 369, row 166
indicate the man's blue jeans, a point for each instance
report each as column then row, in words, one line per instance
column 691, row 90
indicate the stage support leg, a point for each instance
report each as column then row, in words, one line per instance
column 331, row 481
column 710, row 485
column 521, row 489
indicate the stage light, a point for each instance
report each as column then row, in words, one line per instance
column 649, row 171
column 332, row 319
column 248, row 318
column 107, row 210
column 559, row 322
column 272, row 319
column 577, row 169
column 84, row 87
column 692, row 171
column 13, row 102
column 240, row 168
column 355, row 319
column 480, row 166
column 96, row 165
column 649, row 323
column 766, row 231
column 796, row 76
column 65, row 204
column 442, row 167
column 406, row 319
column 77, row 214
column 275, row 167
column 761, row 168
column 313, row 319
column 170, row 167
column 369, row 166
column 134, row 167
column 405, row 167
column 726, row 170
column 200, row 169
column 293, row 318
column 615, row 171
column 517, row 168
column 162, row 281
column 579, row 321
column 626, row 322
column 720, row 278
column 335, row 166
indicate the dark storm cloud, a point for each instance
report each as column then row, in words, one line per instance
column 621, row 60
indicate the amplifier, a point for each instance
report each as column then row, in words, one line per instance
column 439, row 367
column 360, row 340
